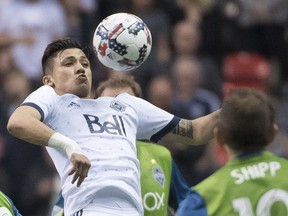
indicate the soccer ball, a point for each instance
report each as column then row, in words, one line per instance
column 122, row 41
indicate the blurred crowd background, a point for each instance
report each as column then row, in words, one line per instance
column 201, row 49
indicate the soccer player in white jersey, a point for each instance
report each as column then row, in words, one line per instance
column 96, row 136
column 163, row 187
column 254, row 180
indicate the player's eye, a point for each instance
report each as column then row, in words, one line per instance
column 68, row 64
column 85, row 64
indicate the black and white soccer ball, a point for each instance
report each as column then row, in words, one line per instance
column 122, row 41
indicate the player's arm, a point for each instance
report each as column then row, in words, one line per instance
column 193, row 132
column 25, row 124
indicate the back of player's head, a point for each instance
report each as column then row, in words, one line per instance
column 118, row 83
column 60, row 45
column 247, row 120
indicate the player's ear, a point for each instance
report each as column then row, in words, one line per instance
column 48, row 80
column 219, row 136
column 273, row 132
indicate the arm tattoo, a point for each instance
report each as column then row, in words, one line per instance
column 184, row 128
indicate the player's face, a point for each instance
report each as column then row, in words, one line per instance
column 111, row 92
column 71, row 73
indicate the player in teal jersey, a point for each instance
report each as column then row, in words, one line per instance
column 7, row 207
column 254, row 182
column 162, row 184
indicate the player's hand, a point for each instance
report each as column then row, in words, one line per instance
column 80, row 168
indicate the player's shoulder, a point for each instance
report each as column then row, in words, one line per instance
column 218, row 178
column 44, row 90
column 131, row 99
column 124, row 95
column 273, row 156
column 43, row 95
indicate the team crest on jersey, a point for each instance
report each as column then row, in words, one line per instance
column 73, row 104
column 158, row 175
column 118, row 106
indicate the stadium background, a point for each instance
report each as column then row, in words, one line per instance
column 228, row 43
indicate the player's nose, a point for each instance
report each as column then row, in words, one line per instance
column 80, row 68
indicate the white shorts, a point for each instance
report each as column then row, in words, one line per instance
column 103, row 205
column 93, row 210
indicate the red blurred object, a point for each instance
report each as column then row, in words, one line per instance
column 244, row 69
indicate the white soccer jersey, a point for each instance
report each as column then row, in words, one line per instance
column 106, row 129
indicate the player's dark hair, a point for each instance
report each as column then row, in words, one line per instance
column 120, row 82
column 246, row 120
column 57, row 46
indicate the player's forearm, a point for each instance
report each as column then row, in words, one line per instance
column 193, row 132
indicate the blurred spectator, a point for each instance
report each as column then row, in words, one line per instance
column 159, row 92
column 247, row 69
column 82, row 18
column 16, row 87
column 6, row 66
column 263, row 26
column 105, row 8
column 187, row 92
column 205, row 14
column 6, row 62
column 193, row 10
column 186, row 40
column 159, row 25
column 40, row 188
column 191, row 101
column 173, row 10
column 150, row 12
column 29, row 25
column 18, row 158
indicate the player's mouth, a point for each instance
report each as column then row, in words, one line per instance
column 82, row 77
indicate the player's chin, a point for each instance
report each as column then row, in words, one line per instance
column 83, row 90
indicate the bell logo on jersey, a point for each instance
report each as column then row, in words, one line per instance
column 115, row 127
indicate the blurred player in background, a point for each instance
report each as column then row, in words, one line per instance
column 100, row 133
column 162, row 184
column 7, row 207
column 254, row 181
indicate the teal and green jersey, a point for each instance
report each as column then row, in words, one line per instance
column 8, row 204
column 156, row 169
column 254, row 185
column 162, row 185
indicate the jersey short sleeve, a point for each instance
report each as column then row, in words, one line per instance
column 42, row 99
column 153, row 122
